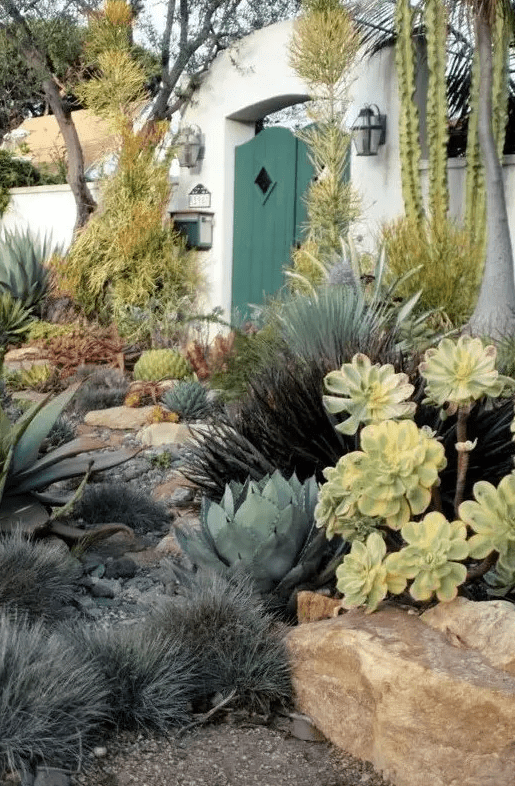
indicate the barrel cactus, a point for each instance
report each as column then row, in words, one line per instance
column 369, row 393
column 188, row 399
column 157, row 364
column 265, row 529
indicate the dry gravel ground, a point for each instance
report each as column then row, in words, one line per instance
column 226, row 754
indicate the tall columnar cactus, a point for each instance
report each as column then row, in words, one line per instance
column 408, row 119
column 475, row 199
column 436, row 118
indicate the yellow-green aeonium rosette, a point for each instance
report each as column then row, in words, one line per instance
column 434, row 545
column 400, row 466
column 369, row 393
column 492, row 517
column 461, row 372
column 364, row 578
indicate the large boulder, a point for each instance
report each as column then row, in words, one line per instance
column 485, row 626
column 391, row 690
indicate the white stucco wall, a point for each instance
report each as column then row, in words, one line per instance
column 45, row 209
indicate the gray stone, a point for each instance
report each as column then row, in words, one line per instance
column 102, row 588
column 124, row 568
column 182, row 497
column 51, row 776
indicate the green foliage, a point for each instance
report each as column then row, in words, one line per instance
column 435, row 16
column 24, row 472
column 162, row 460
column 15, row 322
column 127, row 255
column 35, row 578
column 449, row 262
column 409, row 146
column 157, row 364
column 374, row 497
column 23, row 270
column 264, row 529
column 323, row 49
column 40, row 330
column 232, row 640
column 16, row 172
column 188, row 399
column 369, row 393
column 43, row 679
column 39, row 376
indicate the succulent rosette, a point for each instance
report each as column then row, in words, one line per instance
column 492, row 517
column 429, row 558
column 363, row 577
column 337, row 499
column 369, row 393
column 460, row 372
column 400, row 465
column 501, row 579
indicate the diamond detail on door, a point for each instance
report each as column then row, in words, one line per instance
column 263, row 180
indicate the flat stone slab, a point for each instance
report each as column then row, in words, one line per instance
column 119, row 417
column 391, row 690
column 163, row 434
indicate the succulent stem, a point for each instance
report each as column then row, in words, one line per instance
column 479, row 570
column 463, row 456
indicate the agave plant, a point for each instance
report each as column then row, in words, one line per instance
column 15, row 321
column 22, row 265
column 188, row 399
column 265, row 529
column 25, row 473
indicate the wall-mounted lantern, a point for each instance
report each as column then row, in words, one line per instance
column 369, row 131
column 190, row 147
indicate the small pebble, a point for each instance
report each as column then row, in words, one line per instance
column 99, row 751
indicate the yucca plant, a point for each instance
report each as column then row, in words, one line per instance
column 264, row 529
column 25, row 473
column 23, row 273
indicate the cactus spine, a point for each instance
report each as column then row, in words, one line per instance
column 408, row 121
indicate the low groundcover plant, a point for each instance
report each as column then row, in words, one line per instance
column 384, row 499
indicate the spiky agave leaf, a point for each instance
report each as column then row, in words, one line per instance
column 15, row 322
column 22, row 265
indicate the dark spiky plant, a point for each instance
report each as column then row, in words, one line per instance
column 103, row 388
column 105, row 502
column 35, row 578
column 232, row 640
column 52, row 703
column 150, row 680
column 281, row 425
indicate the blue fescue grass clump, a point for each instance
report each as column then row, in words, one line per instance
column 105, row 502
column 35, row 578
column 150, row 679
column 232, row 640
column 52, row 702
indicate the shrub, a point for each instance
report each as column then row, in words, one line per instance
column 150, row 679
column 451, row 264
column 51, row 702
column 35, row 579
column 103, row 388
column 230, row 638
column 101, row 503
column 15, row 172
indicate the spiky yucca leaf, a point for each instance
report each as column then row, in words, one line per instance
column 15, row 322
column 188, row 399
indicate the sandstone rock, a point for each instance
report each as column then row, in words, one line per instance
column 119, row 417
column 166, row 490
column 486, row 626
column 168, row 545
column 163, row 434
column 389, row 689
column 313, row 606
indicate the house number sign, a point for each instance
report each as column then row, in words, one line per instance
column 199, row 197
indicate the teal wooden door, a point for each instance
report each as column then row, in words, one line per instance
column 272, row 172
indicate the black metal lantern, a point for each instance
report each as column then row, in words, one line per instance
column 189, row 143
column 369, row 131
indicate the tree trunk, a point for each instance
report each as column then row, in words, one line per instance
column 494, row 314
column 75, row 165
